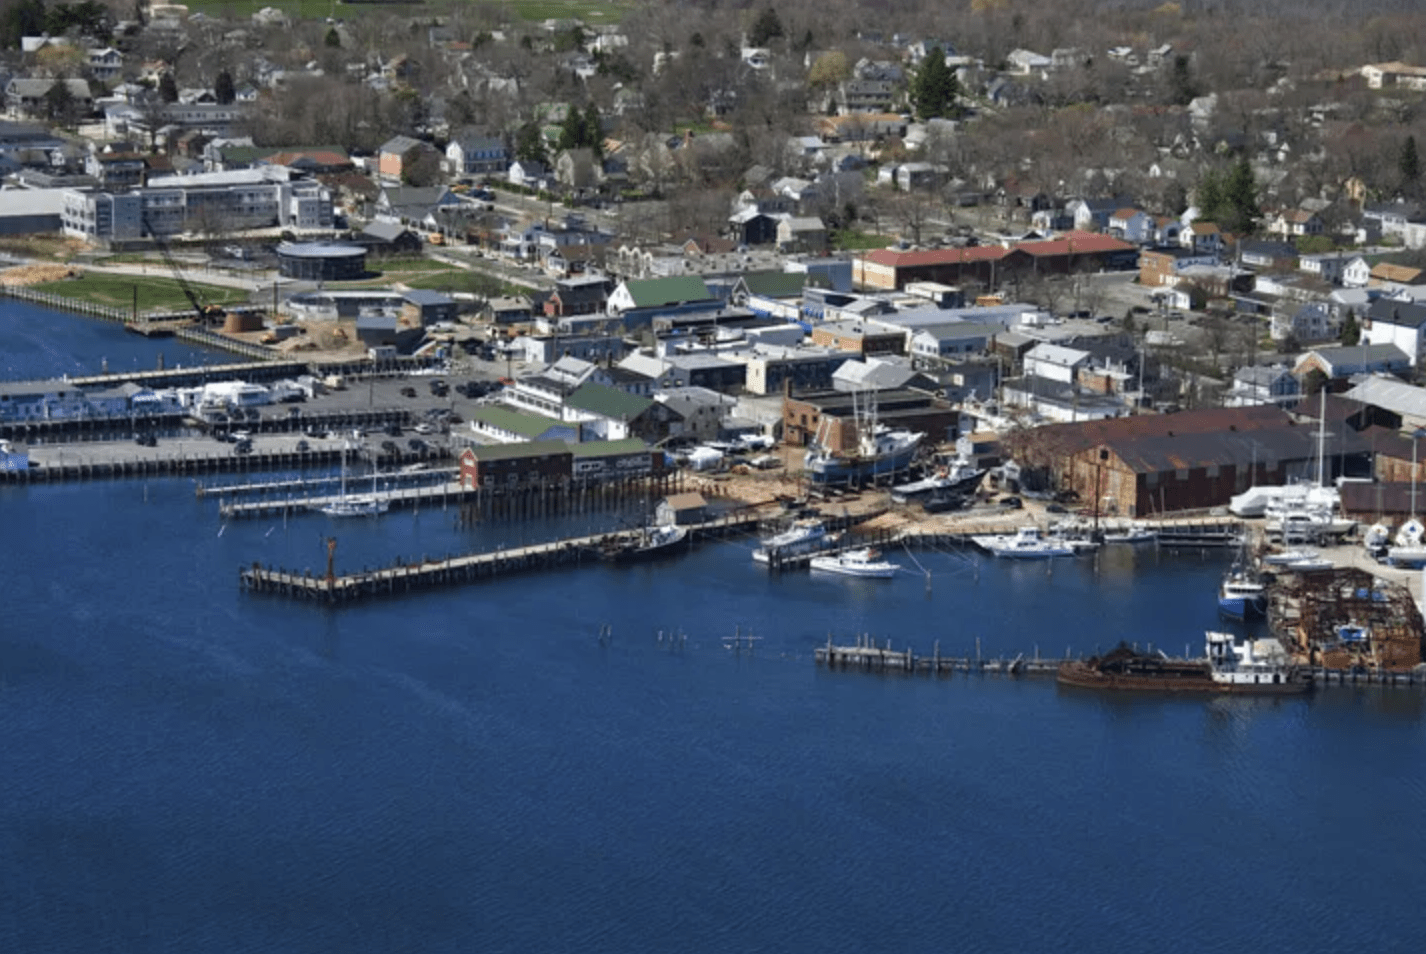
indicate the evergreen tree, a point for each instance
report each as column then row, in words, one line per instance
column 1409, row 165
column 935, row 89
column 1210, row 196
column 571, row 130
column 223, row 89
column 766, row 28
column 1351, row 331
column 167, row 88
column 594, row 130
column 25, row 18
column 1240, row 196
column 333, row 39
column 530, row 144
column 59, row 102
column 1182, row 88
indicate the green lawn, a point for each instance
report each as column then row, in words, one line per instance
column 459, row 280
column 592, row 12
column 155, row 294
column 850, row 240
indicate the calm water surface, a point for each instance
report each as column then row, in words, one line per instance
column 187, row 768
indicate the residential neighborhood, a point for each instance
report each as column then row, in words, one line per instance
column 670, row 228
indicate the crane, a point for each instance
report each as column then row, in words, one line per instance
column 204, row 311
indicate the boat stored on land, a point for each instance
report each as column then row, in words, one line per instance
column 866, row 562
column 881, row 453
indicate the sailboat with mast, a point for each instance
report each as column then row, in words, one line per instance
column 345, row 505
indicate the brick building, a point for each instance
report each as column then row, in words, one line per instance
column 515, row 465
column 830, row 417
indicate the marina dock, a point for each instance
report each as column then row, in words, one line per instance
column 455, row 570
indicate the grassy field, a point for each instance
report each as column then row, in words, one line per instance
column 849, row 240
column 592, row 12
column 155, row 294
column 459, row 280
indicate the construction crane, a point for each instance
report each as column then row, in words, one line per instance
column 204, row 311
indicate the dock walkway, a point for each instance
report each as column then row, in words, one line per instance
column 468, row 568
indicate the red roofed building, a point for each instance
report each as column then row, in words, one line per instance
column 891, row 269
column 1083, row 251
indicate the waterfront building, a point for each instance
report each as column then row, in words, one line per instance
column 265, row 197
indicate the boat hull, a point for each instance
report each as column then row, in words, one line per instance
column 1241, row 607
column 844, row 470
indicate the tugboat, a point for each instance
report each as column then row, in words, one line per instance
column 1251, row 667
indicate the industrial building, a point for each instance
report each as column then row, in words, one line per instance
column 1192, row 460
column 321, row 261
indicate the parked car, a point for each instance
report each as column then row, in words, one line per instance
column 389, row 446
column 416, row 444
column 303, row 447
column 423, row 428
column 146, row 440
column 409, row 392
column 1011, row 503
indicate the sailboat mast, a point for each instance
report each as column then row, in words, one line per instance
column 1321, row 435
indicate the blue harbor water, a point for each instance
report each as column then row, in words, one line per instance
column 189, row 768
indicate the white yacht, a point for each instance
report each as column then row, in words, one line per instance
column 865, row 562
column 1027, row 543
column 802, row 537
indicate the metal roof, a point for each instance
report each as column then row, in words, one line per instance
column 523, row 449
column 1391, row 395
column 516, row 422
column 630, row 445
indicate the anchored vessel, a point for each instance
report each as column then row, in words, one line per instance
column 1027, row 543
column 652, row 543
column 866, row 562
column 802, row 537
column 1250, row 667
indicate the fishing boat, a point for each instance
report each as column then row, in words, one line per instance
column 651, row 543
column 866, row 562
column 1230, row 666
column 802, row 537
column 370, row 505
column 1026, row 543
column 956, row 477
column 881, row 452
column 1241, row 595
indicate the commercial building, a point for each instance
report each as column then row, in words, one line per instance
column 211, row 203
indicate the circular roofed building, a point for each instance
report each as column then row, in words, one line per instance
column 321, row 261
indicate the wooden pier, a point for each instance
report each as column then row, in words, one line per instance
column 866, row 654
column 457, row 570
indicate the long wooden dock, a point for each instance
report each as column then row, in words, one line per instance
column 442, row 494
column 867, row 655
column 468, row 568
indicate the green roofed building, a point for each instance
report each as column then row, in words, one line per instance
column 509, row 426
column 637, row 301
column 609, row 413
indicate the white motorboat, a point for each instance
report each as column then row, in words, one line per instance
column 865, row 562
column 1289, row 557
column 1134, row 532
column 1027, row 543
column 802, row 537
